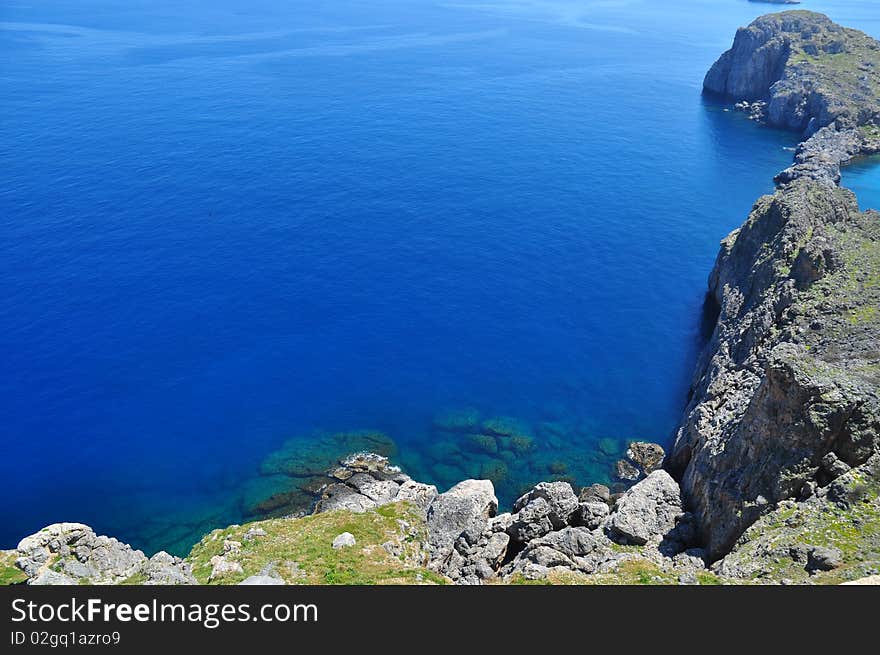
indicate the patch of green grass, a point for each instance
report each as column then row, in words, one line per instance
column 136, row 579
column 9, row 572
column 300, row 550
column 853, row 530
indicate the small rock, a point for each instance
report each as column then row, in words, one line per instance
column 688, row 578
column 595, row 493
column 343, row 540
column 220, row 566
column 166, row 569
column 647, row 456
column 253, row 533
column 261, row 580
column 820, row 558
column 52, row 578
column 626, row 471
column 833, row 466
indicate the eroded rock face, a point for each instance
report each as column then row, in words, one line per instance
column 789, row 374
column 755, row 62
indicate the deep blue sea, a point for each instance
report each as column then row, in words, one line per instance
column 226, row 223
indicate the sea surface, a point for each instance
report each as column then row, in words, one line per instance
column 229, row 227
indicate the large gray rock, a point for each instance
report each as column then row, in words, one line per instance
column 380, row 492
column 342, row 497
column 364, row 481
column 76, row 552
column 572, row 548
column 466, row 507
column 343, row 540
column 418, row 493
column 647, row 512
column 790, row 62
column 546, row 507
column 591, row 514
column 165, row 569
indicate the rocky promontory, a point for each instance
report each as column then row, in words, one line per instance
column 377, row 525
column 784, row 407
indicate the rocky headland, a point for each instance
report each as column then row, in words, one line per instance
column 774, row 474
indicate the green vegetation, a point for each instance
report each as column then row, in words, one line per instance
column 854, row 530
column 636, row 571
column 9, row 572
column 300, row 550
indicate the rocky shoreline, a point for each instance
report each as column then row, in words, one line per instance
column 774, row 475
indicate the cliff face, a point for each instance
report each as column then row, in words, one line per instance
column 785, row 398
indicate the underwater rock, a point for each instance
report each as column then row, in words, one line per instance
column 646, row 455
column 311, row 456
column 494, row 470
column 519, row 443
column 295, row 502
column 504, row 426
column 483, row 443
column 460, row 420
column 610, row 447
column 625, row 470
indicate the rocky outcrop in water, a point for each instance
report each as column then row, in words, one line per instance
column 366, row 480
column 810, row 71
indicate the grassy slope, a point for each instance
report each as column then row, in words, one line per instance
column 300, row 551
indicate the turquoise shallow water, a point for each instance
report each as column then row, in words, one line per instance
column 224, row 225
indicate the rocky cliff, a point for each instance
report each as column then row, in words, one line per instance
column 810, row 71
column 785, row 399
